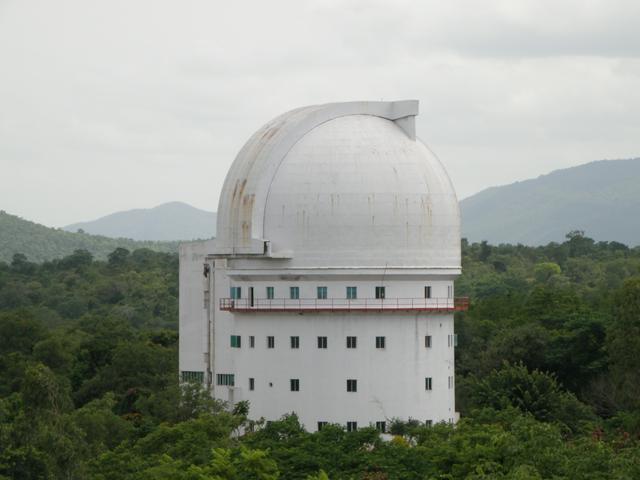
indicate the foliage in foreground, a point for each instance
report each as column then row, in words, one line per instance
column 547, row 378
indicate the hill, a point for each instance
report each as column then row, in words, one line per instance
column 166, row 222
column 40, row 243
column 601, row 198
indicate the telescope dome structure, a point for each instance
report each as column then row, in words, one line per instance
column 329, row 289
column 341, row 185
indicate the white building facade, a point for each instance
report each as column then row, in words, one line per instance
column 329, row 290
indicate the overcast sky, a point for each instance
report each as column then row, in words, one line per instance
column 111, row 105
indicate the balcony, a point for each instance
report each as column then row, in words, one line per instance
column 429, row 305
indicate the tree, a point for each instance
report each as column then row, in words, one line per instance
column 20, row 264
column 321, row 475
column 118, row 257
column 533, row 392
column 19, row 332
column 55, row 352
column 545, row 270
column 178, row 402
column 79, row 258
column 103, row 429
column 485, row 251
column 623, row 343
column 579, row 244
column 43, row 392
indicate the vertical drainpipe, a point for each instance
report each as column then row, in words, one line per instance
column 211, row 308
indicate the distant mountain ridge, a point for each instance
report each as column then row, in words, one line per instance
column 40, row 243
column 167, row 222
column 602, row 198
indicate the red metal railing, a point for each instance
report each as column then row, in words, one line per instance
column 442, row 305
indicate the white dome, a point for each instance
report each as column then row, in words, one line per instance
column 341, row 185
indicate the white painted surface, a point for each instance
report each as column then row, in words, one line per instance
column 243, row 196
column 192, row 314
column 343, row 185
column 337, row 288
column 333, row 195
column 356, row 191
column 391, row 381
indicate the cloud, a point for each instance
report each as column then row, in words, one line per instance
column 115, row 105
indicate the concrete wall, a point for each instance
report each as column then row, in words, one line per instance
column 337, row 288
column 391, row 381
column 192, row 315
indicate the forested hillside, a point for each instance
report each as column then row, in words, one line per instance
column 601, row 198
column 40, row 243
column 548, row 376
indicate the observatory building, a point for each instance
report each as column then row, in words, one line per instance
column 329, row 290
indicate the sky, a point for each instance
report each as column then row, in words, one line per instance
column 112, row 105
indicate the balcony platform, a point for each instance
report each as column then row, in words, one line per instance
column 428, row 305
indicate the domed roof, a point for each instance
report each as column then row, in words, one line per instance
column 341, row 185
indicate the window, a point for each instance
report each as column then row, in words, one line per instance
column 235, row 341
column 322, row 342
column 427, row 341
column 380, row 342
column 450, row 380
column 322, row 293
column 192, row 377
column 427, row 291
column 225, row 379
column 452, row 340
column 236, row 292
column 252, row 341
column 351, row 342
column 381, row 427
column 295, row 384
column 252, row 384
column 270, row 293
column 352, row 293
column 428, row 423
column 321, row 425
column 428, row 384
column 352, row 385
column 271, row 342
column 449, row 291
column 294, row 293
column 352, row 426
column 295, row 342
column 379, row 292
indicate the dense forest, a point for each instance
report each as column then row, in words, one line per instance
column 548, row 378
